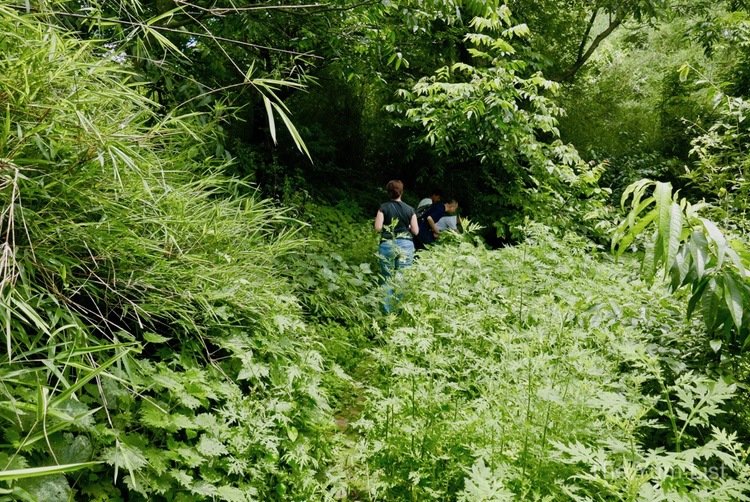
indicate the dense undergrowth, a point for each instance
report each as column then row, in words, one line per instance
column 172, row 336
column 148, row 327
column 541, row 371
column 537, row 372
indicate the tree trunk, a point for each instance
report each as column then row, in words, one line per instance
column 584, row 55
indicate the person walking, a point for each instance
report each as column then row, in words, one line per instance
column 435, row 196
column 450, row 220
column 428, row 228
column 397, row 224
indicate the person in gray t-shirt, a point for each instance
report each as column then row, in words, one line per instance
column 449, row 221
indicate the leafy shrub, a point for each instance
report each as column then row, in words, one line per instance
column 721, row 171
column 150, row 335
column 622, row 171
column 341, row 229
column 498, row 121
column 336, row 275
column 500, row 380
column 690, row 251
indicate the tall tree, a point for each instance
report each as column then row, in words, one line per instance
column 498, row 125
column 568, row 32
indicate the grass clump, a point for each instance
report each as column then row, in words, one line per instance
column 148, row 328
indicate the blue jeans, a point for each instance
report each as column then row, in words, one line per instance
column 395, row 255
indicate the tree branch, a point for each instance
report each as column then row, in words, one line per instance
column 156, row 27
column 570, row 74
column 586, row 34
column 316, row 8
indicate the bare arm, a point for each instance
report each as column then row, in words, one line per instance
column 433, row 226
column 379, row 219
column 414, row 225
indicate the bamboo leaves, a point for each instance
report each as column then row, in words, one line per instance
column 31, row 472
column 128, row 263
column 274, row 105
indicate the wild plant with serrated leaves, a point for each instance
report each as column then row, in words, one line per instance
column 698, row 460
column 335, row 275
column 502, row 360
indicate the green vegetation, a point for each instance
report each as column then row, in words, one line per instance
column 189, row 292
column 143, row 298
column 538, row 389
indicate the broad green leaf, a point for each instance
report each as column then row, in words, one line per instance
column 675, row 232
column 680, row 268
column 621, row 243
column 152, row 337
column 636, row 190
column 46, row 488
column 292, row 434
column 684, row 71
column 663, row 201
column 698, row 246
column 717, row 238
column 711, row 302
column 637, row 209
column 734, row 257
column 697, row 295
column 734, row 300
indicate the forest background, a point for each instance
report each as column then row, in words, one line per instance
column 190, row 301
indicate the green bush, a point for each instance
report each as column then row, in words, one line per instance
column 149, row 328
column 524, row 374
column 336, row 274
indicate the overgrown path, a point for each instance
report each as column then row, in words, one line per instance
column 529, row 372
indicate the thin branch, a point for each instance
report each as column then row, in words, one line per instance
column 184, row 32
column 327, row 8
column 585, row 37
column 351, row 7
column 218, row 44
column 229, row 10
column 581, row 60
